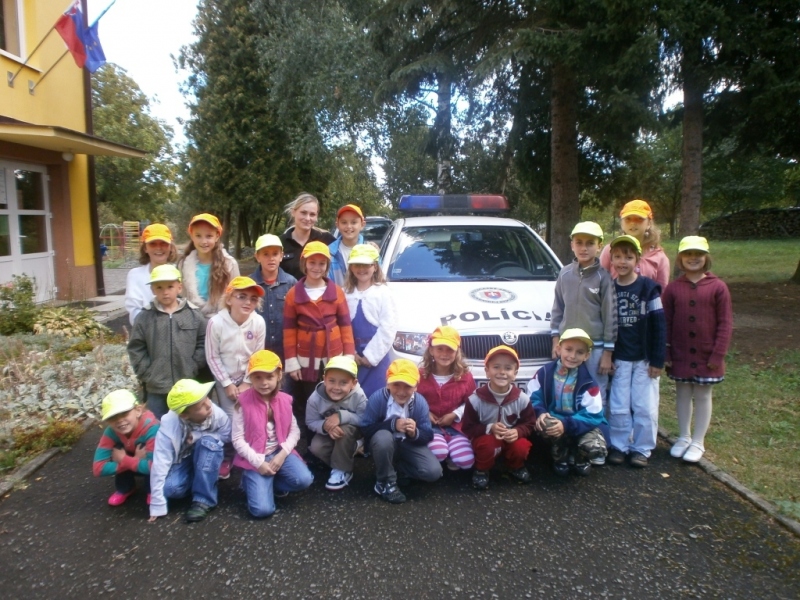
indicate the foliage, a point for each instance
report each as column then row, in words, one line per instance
column 17, row 307
column 134, row 188
column 56, row 434
column 69, row 322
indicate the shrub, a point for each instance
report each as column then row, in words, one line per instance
column 69, row 322
column 18, row 309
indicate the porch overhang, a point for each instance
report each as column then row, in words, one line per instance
column 60, row 139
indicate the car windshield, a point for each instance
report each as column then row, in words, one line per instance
column 475, row 253
column 375, row 230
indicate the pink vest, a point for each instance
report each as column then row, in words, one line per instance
column 254, row 414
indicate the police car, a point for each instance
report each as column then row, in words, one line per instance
column 489, row 277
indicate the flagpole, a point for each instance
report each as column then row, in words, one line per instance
column 102, row 13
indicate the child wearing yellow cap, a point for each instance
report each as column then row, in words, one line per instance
column 157, row 248
column 233, row 335
column 349, row 222
column 498, row 419
column 167, row 341
column 125, row 449
column 697, row 307
column 569, row 406
column 373, row 315
column 206, row 266
column 446, row 383
column 397, row 431
column 188, row 451
column 333, row 413
column 265, row 434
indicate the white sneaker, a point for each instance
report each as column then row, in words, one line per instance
column 338, row 480
column 694, row 453
column 680, row 447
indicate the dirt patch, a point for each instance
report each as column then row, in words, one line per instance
column 766, row 318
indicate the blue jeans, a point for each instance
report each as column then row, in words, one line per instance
column 157, row 404
column 197, row 473
column 124, row 482
column 293, row 476
column 634, row 407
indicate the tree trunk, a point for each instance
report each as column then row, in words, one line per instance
column 692, row 158
column 565, row 207
column 444, row 135
column 796, row 277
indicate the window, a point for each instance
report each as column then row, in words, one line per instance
column 9, row 27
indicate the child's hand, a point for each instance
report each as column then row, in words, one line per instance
column 336, row 433
column 434, row 419
column 511, row 435
column 277, row 461
column 447, row 420
column 295, row 375
column 498, row 430
column 265, row 469
column 606, row 364
column 539, row 424
column 712, row 366
column 232, row 392
column 411, row 427
column 140, row 453
column 332, row 421
column 362, row 362
column 554, row 352
column 118, row 455
column 654, row 372
column 555, row 430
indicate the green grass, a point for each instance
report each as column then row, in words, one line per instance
column 755, row 427
column 756, row 261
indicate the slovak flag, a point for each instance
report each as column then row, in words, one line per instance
column 82, row 42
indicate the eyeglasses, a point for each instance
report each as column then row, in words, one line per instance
column 246, row 298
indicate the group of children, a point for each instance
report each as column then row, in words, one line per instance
column 309, row 359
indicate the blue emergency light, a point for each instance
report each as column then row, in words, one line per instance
column 454, row 204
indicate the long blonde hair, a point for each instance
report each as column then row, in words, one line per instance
column 220, row 277
column 301, row 199
column 459, row 367
column 350, row 281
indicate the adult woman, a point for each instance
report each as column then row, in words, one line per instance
column 303, row 212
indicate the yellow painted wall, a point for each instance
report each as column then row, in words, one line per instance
column 81, row 219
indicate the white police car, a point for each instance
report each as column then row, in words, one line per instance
column 491, row 278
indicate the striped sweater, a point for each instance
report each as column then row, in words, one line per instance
column 144, row 434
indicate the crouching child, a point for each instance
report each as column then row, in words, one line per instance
column 126, row 448
column 569, row 406
column 334, row 412
column 188, row 451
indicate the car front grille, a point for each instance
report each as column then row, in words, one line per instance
column 529, row 346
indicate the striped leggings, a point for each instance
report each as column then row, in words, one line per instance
column 457, row 446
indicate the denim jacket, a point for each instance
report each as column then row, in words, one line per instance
column 272, row 308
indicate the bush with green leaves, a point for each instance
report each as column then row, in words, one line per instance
column 18, row 308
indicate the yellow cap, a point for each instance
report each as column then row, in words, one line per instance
column 206, row 218
column 312, row 248
column 576, row 334
column 156, row 232
column 263, row 361
column 629, row 239
column 164, row 273
column 267, row 240
column 693, row 242
column 588, row 228
column 343, row 363
column 349, row 208
column 117, row 402
column 445, row 335
column 244, row 283
column 501, row 350
column 637, row 208
column 363, row 254
column 403, row 370
column 187, row 392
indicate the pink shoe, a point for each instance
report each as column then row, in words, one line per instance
column 118, row 498
column 225, row 469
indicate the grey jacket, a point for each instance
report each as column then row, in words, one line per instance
column 351, row 408
column 164, row 348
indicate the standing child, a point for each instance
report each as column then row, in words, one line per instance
column 498, row 419
column 316, row 326
column 265, row 434
column 349, row 222
column 397, row 430
column 446, row 384
column 276, row 284
column 373, row 315
column 699, row 316
column 126, row 448
column 233, row 335
column 206, row 266
column 638, row 358
column 569, row 406
column 637, row 221
column 167, row 342
column 188, row 451
column 334, row 412
column 157, row 249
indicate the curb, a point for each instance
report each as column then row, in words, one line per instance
column 36, row 463
column 740, row 489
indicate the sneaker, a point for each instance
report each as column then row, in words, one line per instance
column 389, row 492
column 118, row 498
column 616, row 457
column 197, row 512
column 360, row 450
column 225, row 468
column 338, row 480
column 694, row 453
column 597, row 461
column 584, row 468
column 680, row 447
column 279, row 493
column 451, row 466
column 522, row 475
column 638, row 460
column 561, row 468
column 480, row 480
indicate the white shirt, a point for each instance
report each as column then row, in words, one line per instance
column 377, row 304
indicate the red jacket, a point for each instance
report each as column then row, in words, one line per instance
column 447, row 398
column 482, row 411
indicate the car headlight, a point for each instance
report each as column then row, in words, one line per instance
column 411, row 343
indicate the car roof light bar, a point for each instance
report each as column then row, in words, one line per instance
column 454, row 204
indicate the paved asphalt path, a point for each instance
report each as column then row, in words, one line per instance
column 668, row 531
